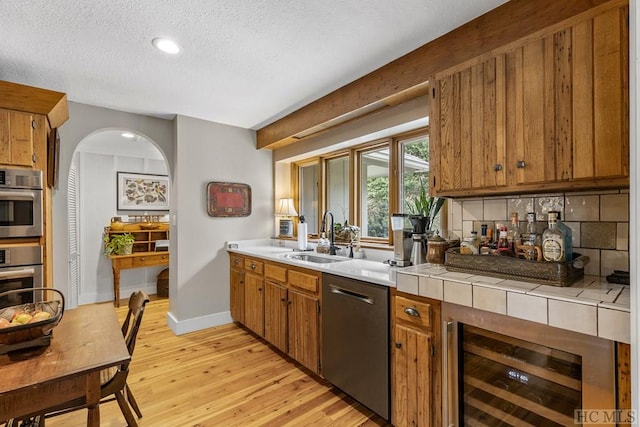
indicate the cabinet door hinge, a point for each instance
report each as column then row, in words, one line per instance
column 433, row 91
column 33, row 124
column 433, row 350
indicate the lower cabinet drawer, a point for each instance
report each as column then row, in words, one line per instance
column 308, row 282
column 414, row 312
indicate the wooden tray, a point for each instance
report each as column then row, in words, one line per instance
column 542, row 272
column 30, row 334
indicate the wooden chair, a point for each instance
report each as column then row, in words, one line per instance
column 114, row 380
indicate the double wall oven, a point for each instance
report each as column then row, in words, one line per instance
column 21, row 228
column 500, row 371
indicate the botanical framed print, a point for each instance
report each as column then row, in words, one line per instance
column 228, row 199
column 143, row 192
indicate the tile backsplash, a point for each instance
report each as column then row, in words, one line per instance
column 599, row 221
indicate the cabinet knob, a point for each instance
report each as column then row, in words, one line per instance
column 398, row 345
column 253, row 266
column 283, row 299
column 242, row 282
column 497, row 167
column 142, row 259
column 236, row 262
column 259, row 289
column 520, row 164
column 34, row 158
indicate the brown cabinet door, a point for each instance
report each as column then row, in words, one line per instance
column 16, row 138
column 237, row 295
column 412, row 393
column 467, row 138
column 254, row 302
column 275, row 315
column 304, row 336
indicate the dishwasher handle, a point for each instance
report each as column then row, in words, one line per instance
column 352, row 294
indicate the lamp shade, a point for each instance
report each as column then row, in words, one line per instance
column 286, row 208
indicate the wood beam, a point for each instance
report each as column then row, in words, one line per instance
column 399, row 79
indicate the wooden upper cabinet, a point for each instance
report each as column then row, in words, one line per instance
column 552, row 110
column 17, row 138
column 467, row 127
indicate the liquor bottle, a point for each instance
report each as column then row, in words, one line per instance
column 568, row 237
column 513, row 233
column 504, row 248
column 532, row 239
column 484, row 242
column 531, row 225
column 553, row 241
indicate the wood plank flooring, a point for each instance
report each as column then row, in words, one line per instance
column 222, row 376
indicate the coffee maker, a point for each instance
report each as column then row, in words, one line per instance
column 401, row 241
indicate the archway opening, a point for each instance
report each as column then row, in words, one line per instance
column 92, row 203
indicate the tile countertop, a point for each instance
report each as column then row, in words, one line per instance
column 590, row 306
column 361, row 269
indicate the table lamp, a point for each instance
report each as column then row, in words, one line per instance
column 286, row 210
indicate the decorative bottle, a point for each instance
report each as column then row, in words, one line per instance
column 532, row 239
column 513, row 234
column 553, row 241
column 568, row 237
column 504, row 248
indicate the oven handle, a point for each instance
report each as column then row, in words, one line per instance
column 17, row 274
column 18, row 195
column 447, row 404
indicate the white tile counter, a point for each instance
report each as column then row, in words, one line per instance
column 591, row 306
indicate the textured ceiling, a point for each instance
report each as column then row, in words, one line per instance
column 245, row 62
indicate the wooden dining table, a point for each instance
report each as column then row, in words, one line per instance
column 87, row 340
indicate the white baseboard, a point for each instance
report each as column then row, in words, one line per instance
column 180, row 327
column 108, row 296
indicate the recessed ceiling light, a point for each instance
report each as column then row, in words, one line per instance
column 166, row 45
column 128, row 135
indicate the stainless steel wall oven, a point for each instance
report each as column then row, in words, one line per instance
column 20, row 268
column 20, row 203
column 500, row 371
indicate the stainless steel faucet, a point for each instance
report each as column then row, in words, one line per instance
column 332, row 245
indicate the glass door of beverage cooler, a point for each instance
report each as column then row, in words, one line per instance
column 507, row 381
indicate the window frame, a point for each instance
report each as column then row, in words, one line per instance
column 354, row 154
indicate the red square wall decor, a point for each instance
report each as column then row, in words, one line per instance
column 228, row 199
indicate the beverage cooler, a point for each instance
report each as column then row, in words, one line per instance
column 502, row 371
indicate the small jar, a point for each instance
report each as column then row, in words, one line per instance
column 436, row 248
column 469, row 246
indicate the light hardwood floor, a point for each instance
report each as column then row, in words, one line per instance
column 221, row 376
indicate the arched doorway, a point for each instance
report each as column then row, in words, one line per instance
column 91, row 203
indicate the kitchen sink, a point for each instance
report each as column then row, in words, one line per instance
column 313, row 258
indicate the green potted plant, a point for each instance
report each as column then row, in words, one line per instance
column 425, row 209
column 118, row 244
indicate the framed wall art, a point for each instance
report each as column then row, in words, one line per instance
column 228, row 199
column 142, row 192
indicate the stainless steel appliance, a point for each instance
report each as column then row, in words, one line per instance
column 20, row 203
column 401, row 242
column 499, row 370
column 20, row 268
column 355, row 340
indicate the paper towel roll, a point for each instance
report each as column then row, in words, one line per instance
column 302, row 235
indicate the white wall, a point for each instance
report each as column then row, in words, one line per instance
column 85, row 120
column 199, row 270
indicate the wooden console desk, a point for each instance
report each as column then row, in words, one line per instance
column 134, row 260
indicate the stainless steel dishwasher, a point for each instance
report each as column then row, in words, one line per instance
column 355, row 340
